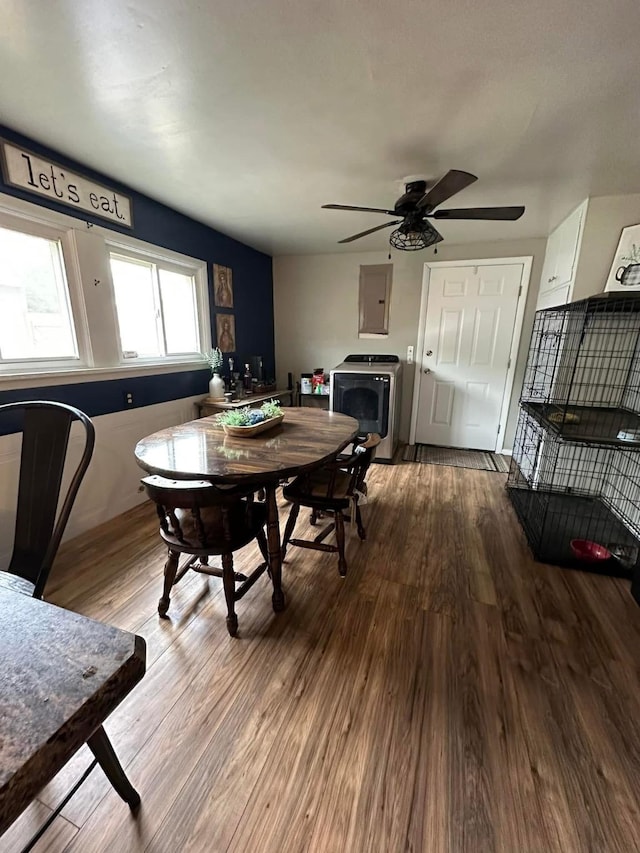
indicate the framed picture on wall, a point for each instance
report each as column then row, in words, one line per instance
column 622, row 275
column 226, row 332
column 222, row 286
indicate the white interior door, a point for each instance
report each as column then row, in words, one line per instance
column 469, row 328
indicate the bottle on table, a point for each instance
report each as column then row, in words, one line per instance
column 246, row 380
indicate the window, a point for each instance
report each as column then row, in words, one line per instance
column 156, row 308
column 36, row 322
column 81, row 300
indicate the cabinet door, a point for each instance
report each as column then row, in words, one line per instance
column 561, row 259
column 549, row 275
column 567, row 246
column 551, row 298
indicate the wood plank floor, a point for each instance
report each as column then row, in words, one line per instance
column 449, row 695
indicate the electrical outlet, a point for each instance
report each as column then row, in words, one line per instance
column 409, row 355
column 128, row 398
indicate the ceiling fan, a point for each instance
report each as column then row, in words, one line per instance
column 417, row 206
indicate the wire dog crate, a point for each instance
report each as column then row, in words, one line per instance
column 575, row 470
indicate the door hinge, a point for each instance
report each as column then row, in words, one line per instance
column 509, row 364
column 499, row 428
column 519, row 291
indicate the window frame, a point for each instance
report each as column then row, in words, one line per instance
column 36, row 228
column 172, row 262
column 85, row 254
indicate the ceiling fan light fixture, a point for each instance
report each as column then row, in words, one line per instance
column 418, row 204
column 414, row 237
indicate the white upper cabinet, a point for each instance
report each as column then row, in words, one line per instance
column 548, row 277
column 582, row 248
column 561, row 259
column 568, row 245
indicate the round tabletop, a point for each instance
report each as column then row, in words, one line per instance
column 200, row 449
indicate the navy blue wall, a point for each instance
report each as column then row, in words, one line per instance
column 161, row 225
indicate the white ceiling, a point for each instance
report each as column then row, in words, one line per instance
column 249, row 115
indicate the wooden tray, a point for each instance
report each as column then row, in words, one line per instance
column 256, row 429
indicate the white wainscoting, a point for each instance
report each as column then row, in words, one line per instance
column 112, row 483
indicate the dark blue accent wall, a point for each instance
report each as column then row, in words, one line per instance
column 109, row 395
column 161, row 225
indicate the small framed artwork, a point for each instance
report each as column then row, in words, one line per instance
column 226, row 332
column 222, row 286
column 625, row 269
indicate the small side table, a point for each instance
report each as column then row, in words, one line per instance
column 208, row 406
column 313, row 401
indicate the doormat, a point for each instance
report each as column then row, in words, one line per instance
column 481, row 460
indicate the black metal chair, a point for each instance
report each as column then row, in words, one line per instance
column 334, row 489
column 39, row 525
column 202, row 520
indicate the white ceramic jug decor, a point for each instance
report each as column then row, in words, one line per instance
column 216, row 387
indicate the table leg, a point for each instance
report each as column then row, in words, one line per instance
column 273, row 539
column 100, row 746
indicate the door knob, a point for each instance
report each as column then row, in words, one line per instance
column 426, row 370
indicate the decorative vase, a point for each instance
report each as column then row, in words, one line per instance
column 216, row 387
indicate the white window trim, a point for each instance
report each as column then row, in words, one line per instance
column 178, row 263
column 48, row 231
column 32, row 218
column 11, row 382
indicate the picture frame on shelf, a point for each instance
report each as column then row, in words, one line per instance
column 627, row 254
column 222, row 286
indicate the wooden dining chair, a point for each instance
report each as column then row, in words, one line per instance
column 39, row 524
column 334, row 489
column 201, row 520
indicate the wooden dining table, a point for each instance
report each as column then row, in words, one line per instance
column 61, row 675
column 201, row 450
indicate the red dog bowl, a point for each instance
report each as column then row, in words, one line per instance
column 584, row 549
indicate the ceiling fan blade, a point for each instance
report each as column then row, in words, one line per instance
column 350, row 207
column 449, row 185
column 370, row 231
column 509, row 213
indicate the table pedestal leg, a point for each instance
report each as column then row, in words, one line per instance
column 273, row 540
column 100, row 746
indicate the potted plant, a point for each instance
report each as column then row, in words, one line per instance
column 249, row 422
column 216, row 383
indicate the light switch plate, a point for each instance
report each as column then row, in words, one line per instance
column 409, row 355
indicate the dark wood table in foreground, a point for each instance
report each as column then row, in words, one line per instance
column 200, row 450
column 61, row 675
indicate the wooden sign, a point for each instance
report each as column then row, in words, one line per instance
column 31, row 172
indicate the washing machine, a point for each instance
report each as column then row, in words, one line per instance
column 368, row 387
